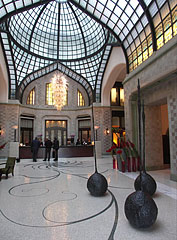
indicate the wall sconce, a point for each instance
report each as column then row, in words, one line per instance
column 15, row 127
column 0, row 131
column 96, row 128
column 107, row 131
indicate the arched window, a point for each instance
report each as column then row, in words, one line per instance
column 31, row 97
column 80, row 99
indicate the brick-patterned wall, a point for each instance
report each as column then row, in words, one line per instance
column 10, row 112
column 172, row 109
column 9, row 117
column 40, row 88
column 42, row 114
column 102, row 118
column 107, row 123
column 45, row 112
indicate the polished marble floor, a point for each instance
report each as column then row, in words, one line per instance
column 50, row 201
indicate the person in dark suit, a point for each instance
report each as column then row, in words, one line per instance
column 78, row 142
column 34, row 148
column 48, row 146
column 56, row 147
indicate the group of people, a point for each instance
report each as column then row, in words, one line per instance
column 48, row 146
column 83, row 142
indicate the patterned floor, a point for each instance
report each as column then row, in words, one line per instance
column 50, row 201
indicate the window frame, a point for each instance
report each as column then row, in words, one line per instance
column 80, row 99
column 31, row 97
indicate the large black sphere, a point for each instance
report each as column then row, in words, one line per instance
column 97, row 184
column 146, row 183
column 140, row 209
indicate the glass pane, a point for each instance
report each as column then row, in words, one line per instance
column 59, row 136
column 113, row 95
column 121, row 97
column 52, row 135
column 84, row 135
column 80, row 38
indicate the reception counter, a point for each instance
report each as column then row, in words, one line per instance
column 64, row 152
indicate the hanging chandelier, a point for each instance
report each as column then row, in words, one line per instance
column 59, row 89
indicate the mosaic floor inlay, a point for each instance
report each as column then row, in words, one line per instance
column 50, row 200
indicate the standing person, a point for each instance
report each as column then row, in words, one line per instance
column 34, row 148
column 48, row 146
column 56, row 147
column 78, row 142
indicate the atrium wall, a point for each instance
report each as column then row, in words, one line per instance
column 158, row 82
column 3, row 79
column 13, row 111
column 115, row 71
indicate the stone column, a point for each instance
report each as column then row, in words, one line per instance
column 102, row 118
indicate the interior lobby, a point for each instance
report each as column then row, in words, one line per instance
column 70, row 69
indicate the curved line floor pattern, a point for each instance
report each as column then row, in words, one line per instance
column 50, row 201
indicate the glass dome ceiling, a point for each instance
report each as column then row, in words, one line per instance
column 58, row 31
column 77, row 36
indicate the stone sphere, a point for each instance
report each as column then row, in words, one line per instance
column 147, row 183
column 97, row 184
column 140, row 209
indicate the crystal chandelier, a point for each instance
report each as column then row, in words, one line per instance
column 59, row 89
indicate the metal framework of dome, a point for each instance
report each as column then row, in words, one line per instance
column 77, row 36
column 58, row 32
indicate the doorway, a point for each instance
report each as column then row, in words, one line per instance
column 26, row 131
column 156, row 136
column 165, row 134
column 58, row 129
column 84, row 131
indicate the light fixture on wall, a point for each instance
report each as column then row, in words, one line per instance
column 0, row 131
column 96, row 128
column 15, row 127
column 107, row 131
column 59, row 88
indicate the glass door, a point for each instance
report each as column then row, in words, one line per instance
column 84, row 131
column 56, row 128
column 26, row 132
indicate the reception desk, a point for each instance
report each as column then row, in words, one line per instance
column 64, row 152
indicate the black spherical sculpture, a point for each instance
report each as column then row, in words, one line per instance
column 140, row 209
column 145, row 183
column 97, row 184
